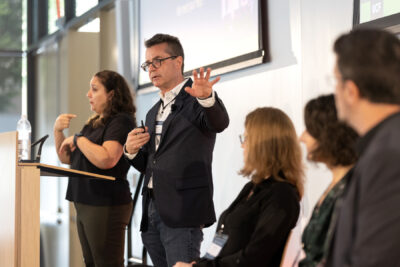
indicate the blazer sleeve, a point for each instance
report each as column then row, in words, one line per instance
column 277, row 217
column 376, row 240
column 215, row 118
column 139, row 162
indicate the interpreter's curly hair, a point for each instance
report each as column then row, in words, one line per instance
column 335, row 140
column 121, row 101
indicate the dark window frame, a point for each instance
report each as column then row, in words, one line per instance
column 38, row 36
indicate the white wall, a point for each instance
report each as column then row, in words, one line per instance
column 301, row 37
column 321, row 23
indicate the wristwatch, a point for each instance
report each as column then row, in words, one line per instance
column 76, row 137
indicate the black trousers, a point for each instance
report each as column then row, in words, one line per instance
column 101, row 231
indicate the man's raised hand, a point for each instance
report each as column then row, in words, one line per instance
column 202, row 86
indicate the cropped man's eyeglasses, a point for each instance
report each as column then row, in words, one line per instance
column 332, row 81
column 156, row 63
column 242, row 138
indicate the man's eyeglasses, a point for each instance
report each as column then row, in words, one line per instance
column 156, row 63
column 242, row 138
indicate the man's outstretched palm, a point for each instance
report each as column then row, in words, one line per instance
column 202, row 86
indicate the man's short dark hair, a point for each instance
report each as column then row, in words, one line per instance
column 371, row 59
column 174, row 45
column 335, row 140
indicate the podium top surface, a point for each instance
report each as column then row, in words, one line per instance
column 49, row 170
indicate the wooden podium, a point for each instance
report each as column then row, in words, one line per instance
column 20, row 203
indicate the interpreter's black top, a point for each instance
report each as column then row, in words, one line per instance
column 258, row 227
column 102, row 192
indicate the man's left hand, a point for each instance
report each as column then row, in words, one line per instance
column 183, row 264
column 202, row 86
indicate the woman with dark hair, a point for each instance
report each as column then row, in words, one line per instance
column 331, row 142
column 254, row 229
column 103, row 207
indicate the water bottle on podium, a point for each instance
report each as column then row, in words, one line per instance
column 24, row 138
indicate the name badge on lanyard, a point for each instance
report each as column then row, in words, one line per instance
column 217, row 244
column 158, row 129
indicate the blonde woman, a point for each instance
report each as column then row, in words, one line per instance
column 254, row 229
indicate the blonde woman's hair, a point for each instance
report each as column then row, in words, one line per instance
column 273, row 148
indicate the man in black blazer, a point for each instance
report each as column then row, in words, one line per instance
column 367, row 97
column 175, row 153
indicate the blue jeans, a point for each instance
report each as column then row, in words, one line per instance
column 167, row 245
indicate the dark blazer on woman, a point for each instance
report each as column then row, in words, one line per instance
column 257, row 227
column 181, row 166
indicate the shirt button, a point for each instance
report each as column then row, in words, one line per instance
column 154, row 161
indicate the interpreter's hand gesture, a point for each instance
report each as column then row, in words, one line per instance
column 63, row 121
column 202, row 86
column 67, row 145
column 137, row 138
